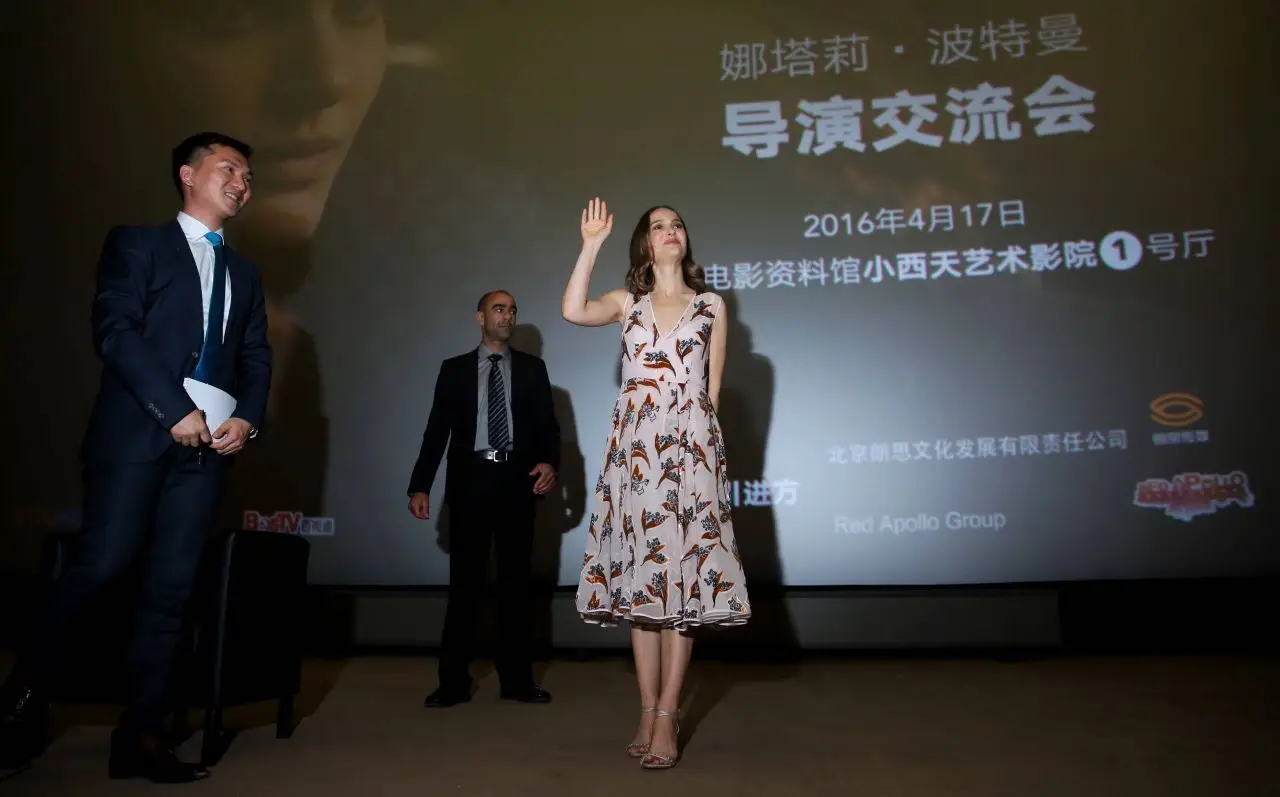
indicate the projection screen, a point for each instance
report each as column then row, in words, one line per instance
column 997, row 273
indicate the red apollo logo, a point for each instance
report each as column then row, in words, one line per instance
column 1189, row 495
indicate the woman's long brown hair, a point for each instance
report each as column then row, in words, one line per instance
column 640, row 274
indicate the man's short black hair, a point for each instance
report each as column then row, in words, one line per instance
column 194, row 148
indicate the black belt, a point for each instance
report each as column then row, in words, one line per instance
column 492, row 455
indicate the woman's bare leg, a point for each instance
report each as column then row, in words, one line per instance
column 677, row 648
column 646, row 647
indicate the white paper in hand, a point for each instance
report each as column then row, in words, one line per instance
column 217, row 404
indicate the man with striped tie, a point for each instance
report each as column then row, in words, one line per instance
column 172, row 302
column 493, row 410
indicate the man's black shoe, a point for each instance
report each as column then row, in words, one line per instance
column 24, row 726
column 148, row 758
column 529, row 694
column 445, row 698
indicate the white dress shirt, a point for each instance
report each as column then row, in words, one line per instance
column 202, row 251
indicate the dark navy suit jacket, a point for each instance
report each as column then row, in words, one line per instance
column 148, row 319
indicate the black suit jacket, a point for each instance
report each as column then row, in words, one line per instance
column 148, row 329
column 535, row 436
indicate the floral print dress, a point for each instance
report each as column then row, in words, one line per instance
column 660, row 545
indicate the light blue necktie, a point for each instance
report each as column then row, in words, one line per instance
column 213, row 333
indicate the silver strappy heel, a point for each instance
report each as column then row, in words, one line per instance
column 639, row 749
column 658, row 760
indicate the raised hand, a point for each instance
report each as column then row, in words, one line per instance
column 597, row 222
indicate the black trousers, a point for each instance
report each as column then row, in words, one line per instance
column 494, row 511
column 158, row 515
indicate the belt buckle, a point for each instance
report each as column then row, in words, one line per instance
column 494, row 455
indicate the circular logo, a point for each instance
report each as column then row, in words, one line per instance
column 1176, row 409
column 1120, row 250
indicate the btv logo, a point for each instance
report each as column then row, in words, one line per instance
column 288, row 523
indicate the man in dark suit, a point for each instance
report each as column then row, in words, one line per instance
column 493, row 409
column 172, row 301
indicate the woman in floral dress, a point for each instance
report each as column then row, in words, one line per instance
column 661, row 552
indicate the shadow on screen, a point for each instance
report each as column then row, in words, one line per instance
column 746, row 413
column 560, row 511
column 283, row 469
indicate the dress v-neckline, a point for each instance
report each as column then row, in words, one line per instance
column 653, row 315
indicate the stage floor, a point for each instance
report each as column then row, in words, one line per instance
column 1075, row 727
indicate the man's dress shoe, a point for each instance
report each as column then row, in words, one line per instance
column 153, row 761
column 24, row 726
column 445, row 698
column 528, row 694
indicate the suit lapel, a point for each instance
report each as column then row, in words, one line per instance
column 186, row 278
column 239, row 286
column 517, row 393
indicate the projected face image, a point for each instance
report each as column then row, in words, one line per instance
column 294, row 78
column 667, row 238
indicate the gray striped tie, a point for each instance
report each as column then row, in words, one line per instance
column 499, row 434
